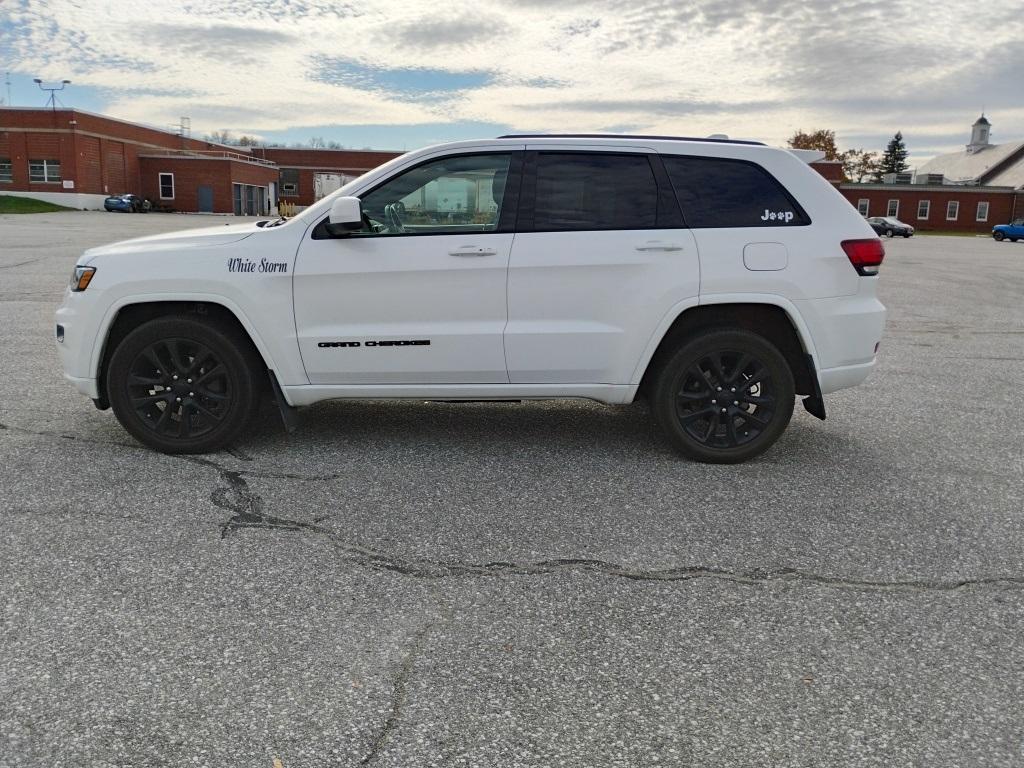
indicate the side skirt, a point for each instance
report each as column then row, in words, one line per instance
column 307, row 394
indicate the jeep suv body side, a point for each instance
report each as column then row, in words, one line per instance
column 515, row 268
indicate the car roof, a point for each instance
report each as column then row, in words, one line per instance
column 632, row 137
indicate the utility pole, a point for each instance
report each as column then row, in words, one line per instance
column 8, row 81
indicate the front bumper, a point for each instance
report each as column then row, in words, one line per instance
column 86, row 387
column 74, row 344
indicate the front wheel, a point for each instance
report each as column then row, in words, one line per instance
column 998, row 236
column 724, row 397
column 183, row 386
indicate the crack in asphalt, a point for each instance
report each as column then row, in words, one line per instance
column 20, row 263
column 248, row 512
column 399, row 695
column 247, row 506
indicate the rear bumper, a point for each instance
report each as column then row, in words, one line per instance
column 844, row 377
column 846, row 331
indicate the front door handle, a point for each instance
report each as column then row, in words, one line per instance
column 659, row 245
column 472, row 250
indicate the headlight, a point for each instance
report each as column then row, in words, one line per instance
column 81, row 277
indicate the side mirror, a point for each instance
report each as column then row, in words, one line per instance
column 346, row 216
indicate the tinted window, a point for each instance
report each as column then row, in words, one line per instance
column 454, row 194
column 730, row 193
column 594, row 191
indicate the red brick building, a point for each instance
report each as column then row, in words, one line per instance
column 938, row 206
column 969, row 191
column 77, row 158
column 307, row 174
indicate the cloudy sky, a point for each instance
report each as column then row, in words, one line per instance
column 401, row 74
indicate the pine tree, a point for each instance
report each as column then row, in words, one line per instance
column 895, row 158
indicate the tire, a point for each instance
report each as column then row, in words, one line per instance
column 686, row 399
column 888, row 233
column 180, row 385
column 1013, row 239
column 999, row 236
column 906, row 235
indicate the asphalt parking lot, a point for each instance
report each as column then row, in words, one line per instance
column 500, row 585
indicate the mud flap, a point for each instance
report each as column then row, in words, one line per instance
column 814, row 404
column 291, row 422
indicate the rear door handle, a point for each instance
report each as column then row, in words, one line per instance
column 472, row 250
column 659, row 245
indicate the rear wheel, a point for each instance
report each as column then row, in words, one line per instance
column 183, row 386
column 998, row 236
column 888, row 233
column 724, row 396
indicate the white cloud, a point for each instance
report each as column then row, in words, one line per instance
column 754, row 68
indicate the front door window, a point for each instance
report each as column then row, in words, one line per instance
column 448, row 196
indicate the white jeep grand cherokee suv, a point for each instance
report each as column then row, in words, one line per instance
column 716, row 278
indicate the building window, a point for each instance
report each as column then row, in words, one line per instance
column 923, row 208
column 289, row 182
column 894, row 209
column 166, row 186
column 982, row 212
column 952, row 210
column 6, row 169
column 47, row 171
column 863, row 205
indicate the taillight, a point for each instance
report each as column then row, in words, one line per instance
column 865, row 255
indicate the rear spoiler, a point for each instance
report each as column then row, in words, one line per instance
column 807, row 155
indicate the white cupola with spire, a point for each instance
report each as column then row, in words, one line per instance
column 979, row 134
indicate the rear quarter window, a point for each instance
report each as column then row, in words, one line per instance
column 718, row 192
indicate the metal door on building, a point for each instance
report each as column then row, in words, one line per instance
column 204, row 199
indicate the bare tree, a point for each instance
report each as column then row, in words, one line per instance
column 222, row 136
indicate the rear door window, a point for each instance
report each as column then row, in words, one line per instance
column 594, row 191
column 717, row 192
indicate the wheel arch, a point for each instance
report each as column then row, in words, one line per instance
column 778, row 324
column 127, row 314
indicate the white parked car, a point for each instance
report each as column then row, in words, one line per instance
column 716, row 278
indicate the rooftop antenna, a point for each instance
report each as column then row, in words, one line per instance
column 183, row 127
column 52, row 101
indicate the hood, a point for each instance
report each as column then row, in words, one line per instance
column 189, row 238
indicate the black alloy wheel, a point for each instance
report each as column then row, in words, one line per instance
column 182, row 386
column 998, row 236
column 724, row 397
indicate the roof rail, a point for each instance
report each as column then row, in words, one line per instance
column 627, row 136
